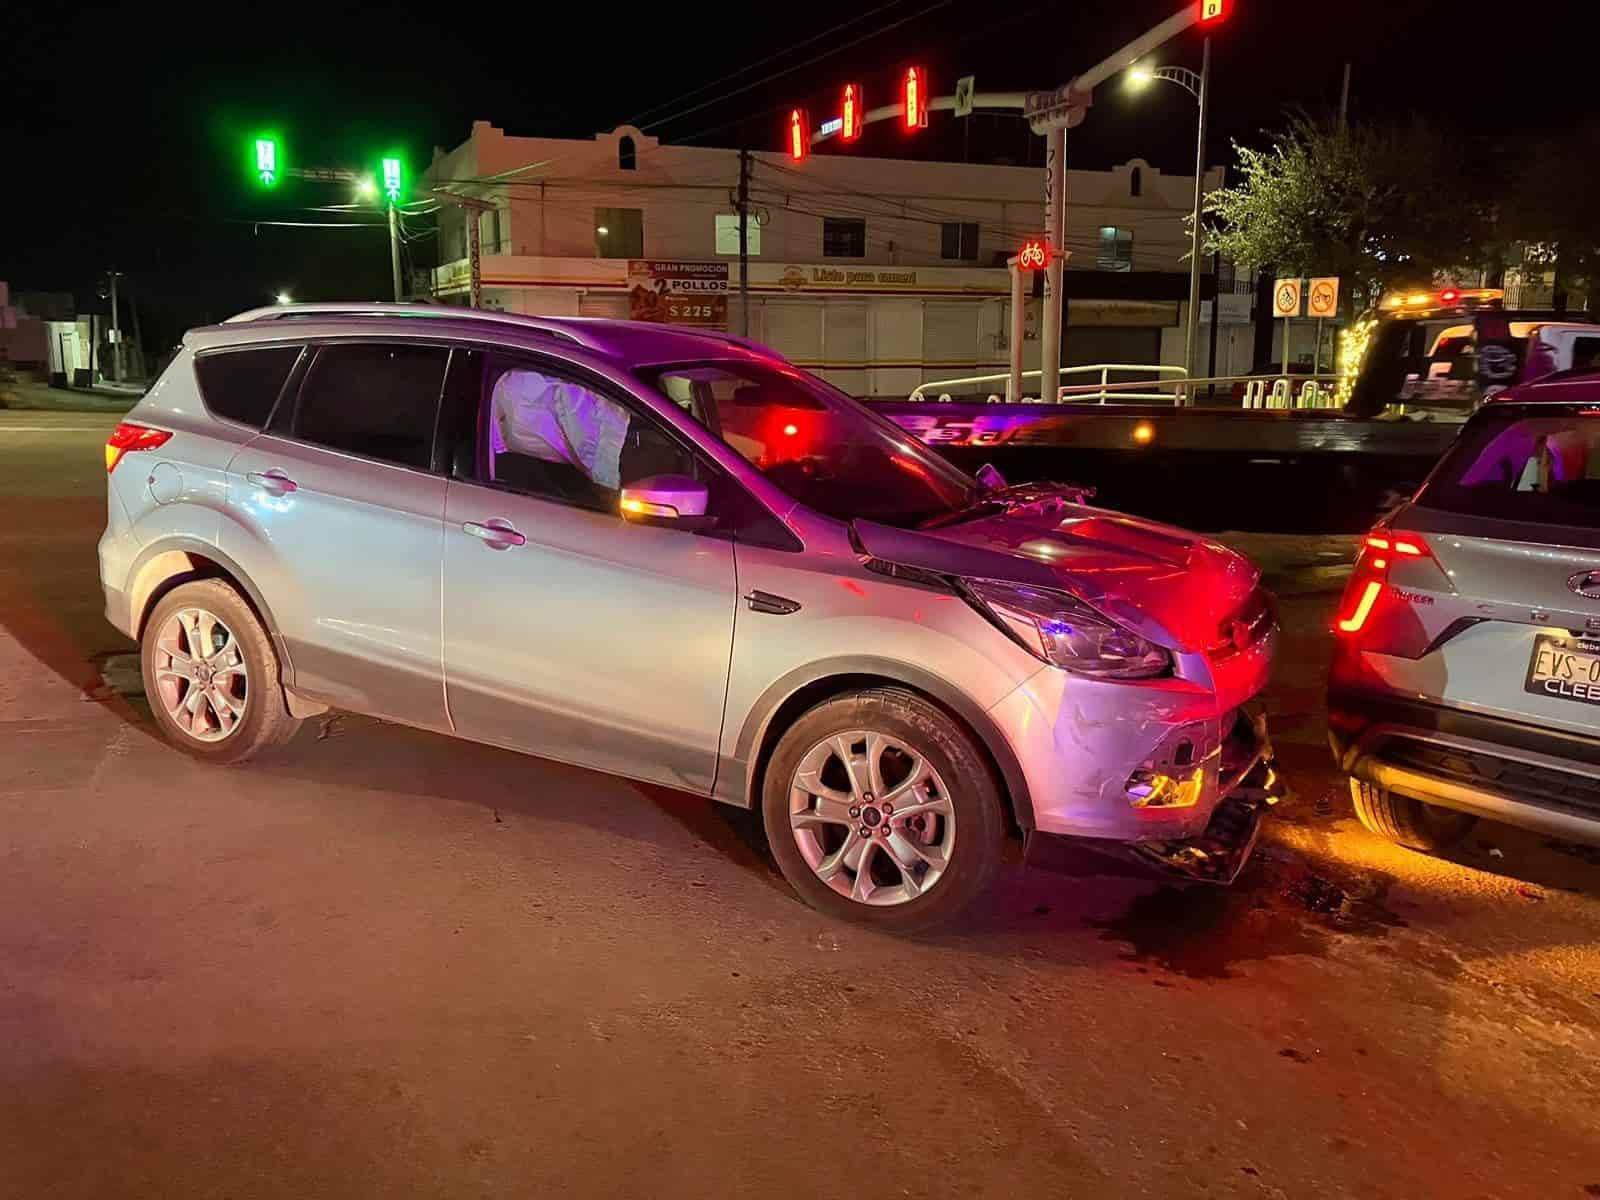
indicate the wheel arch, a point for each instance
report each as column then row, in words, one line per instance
column 741, row 774
column 171, row 562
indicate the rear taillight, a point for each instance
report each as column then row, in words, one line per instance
column 1408, row 544
column 1372, row 574
column 127, row 437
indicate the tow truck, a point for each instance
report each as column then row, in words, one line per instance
column 1431, row 358
column 1438, row 355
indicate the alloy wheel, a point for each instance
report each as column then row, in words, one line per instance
column 200, row 674
column 871, row 817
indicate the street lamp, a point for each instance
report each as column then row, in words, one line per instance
column 366, row 188
column 283, row 298
column 1198, row 86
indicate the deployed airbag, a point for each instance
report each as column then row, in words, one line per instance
column 556, row 421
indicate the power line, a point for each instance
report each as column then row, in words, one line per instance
column 800, row 66
column 745, row 70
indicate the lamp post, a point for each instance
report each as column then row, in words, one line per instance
column 1198, row 86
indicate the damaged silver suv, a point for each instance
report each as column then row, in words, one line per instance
column 672, row 556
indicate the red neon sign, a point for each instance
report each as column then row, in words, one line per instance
column 799, row 135
column 1034, row 255
column 850, row 113
column 916, row 98
column 1212, row 11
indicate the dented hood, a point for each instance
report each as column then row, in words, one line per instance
column 1173, row 587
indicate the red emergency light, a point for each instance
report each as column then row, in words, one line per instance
column 916, row 98
column 850, row 113
column 799, row 135
column 1213, row 11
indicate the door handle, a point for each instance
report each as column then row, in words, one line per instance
column 496, row 534
column 273, row 480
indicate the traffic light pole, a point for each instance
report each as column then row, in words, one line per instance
column 1055, row 222
column 394, row 249
column 1019, row 331
column 1191, row 347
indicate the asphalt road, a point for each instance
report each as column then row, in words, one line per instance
column 389, row 964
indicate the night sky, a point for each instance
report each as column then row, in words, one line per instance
column 128, row 125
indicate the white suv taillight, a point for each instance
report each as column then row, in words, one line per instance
column 1372, row 574
column 128, row 437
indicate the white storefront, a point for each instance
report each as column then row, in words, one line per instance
column 880, row 274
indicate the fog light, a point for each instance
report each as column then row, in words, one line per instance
column 1150, row 789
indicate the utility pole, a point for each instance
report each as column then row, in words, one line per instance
column 116, row 327
column 1191, row 349
column 744, row 242
column 1344, row 99
column 138, row 336
column 394, row 245
column 472, row 210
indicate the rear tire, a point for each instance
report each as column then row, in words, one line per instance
column 237, row 708
column 1408, row 822
column 934, row 829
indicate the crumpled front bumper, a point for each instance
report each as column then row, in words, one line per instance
column 1247, row 786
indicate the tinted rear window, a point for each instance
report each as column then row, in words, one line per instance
column 1523, row 464
column 376, row 400
column 243, row 385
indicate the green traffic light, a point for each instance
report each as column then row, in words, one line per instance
column 266, row 164
column 393, row 175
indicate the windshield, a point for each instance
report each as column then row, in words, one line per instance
column 1523, row 464
column 817, row 444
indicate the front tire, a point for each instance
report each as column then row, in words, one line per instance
column 211, row 675
column 882, row 809
column 1408, row 822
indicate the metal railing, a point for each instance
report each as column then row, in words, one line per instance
column 1171, row 385
column 1104, row 389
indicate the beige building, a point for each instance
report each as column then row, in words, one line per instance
column 879, row 273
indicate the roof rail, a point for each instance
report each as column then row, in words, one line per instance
column 446, row 312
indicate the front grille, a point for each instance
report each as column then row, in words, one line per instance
column 1517, row 780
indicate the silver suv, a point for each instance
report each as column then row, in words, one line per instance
column 670, row 555
column 1466, row 673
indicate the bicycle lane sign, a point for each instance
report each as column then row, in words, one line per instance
column 1286, row 298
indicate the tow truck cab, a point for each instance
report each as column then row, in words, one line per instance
column 1443, row 353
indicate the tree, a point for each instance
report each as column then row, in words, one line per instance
column 1380, row 206
column 1549, row 212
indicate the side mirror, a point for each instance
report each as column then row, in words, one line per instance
column 673, row 499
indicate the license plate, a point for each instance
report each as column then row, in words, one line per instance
column 1565, row 670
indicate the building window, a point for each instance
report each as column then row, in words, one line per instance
column 1116, row 249
column 618, row 233
column 728, row 234
column 627, row 156
column 844, row 237
column 959, row 239
column 1136, row 182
